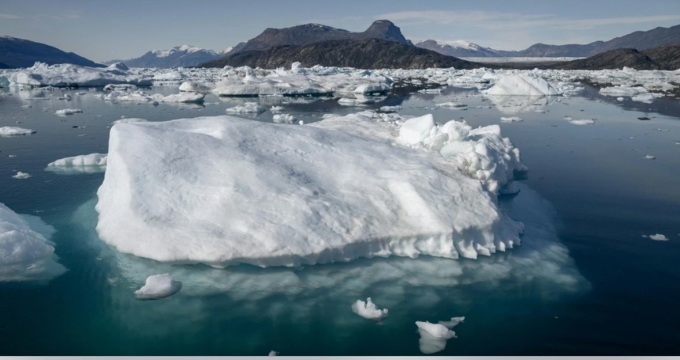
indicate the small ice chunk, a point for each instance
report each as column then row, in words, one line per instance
column 657, row 237
column 284, row 118
column 7, row 131
column 368, row 310
column 65, row 112
column 650, row 157
column 436, row 330
column 414, row 131
column 452, row 105
column 158, row 287
column 21, row 175
column 273, row 353
column 582, row 122
column 511, row 119
column 433, row 337
column 453, row 322
column 247, row 108
column 390, row 108
column 276, row 109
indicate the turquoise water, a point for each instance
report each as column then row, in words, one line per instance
column 585, row 281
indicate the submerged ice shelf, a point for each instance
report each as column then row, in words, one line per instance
column 222, row 191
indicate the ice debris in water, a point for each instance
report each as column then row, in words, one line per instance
column 7, row 131
column 158, row 287
column 21, row 175
column 273, row 353
column 306, row 194
column 511, row 119
column 247, row 108
column 524, row 84
column 283, row 118
column 657, row 237
column 368, row 310
column 65, row 112
column 582, row 122
column 650, row 157
column 25, row 252
column 433, row 337
column 390, row 108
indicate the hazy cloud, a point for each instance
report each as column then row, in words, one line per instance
column 8, row 16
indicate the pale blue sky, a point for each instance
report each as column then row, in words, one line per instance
column 104, row 30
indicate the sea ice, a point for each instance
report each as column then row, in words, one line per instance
column 650, row 157
column 433, row 337
column 390, row 108
column 511, row 119
column 304, row 194
column 65, row 112
column 26, row 254
column 283, row 118
column 452, row 105
column 368, row 310
column 184, row 97
column 658, row 237
column 523, row 84
column 81, row 164
column 7, row 131
column 158, row 287
column 62, row 75
column 582, row 122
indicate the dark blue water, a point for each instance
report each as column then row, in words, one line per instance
column 584, row 282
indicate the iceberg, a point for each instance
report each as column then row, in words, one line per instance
column 433, row 337
column 283, row 118
column 523, row 84
column 247, row 108
column 222, row 191
column 21, row 175
column 368, row 310
column 26, row 254
column 81, row 164
column 66, row 112
column 7, row 131
column 158, row 287
column 65, row 75
column 511, row 119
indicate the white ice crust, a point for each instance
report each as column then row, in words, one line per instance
column 221, row 190
column 26, row 254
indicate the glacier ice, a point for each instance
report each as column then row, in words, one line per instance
column 81, row 164
column 25, row 252
column 268, row 194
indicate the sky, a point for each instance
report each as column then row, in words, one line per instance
column 123, row 29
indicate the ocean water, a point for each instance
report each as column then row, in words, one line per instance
column 585, row 280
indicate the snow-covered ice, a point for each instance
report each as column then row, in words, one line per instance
column 61, row 75
column 158, row 287
column 335, row 190
column 511, row 119
column 523, row 84
column 7, row 131
column 657, row 237
column 368, row 310
column 26, row 254
column 582, row 122
column 65, row 112
column 283, row 118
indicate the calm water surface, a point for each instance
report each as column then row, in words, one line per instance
column 584, row 282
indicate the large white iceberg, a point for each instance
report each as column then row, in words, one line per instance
column 61, row 75
column 26, row 254
column 221, row 190
column 523, row 84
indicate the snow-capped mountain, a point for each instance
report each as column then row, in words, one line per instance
column 458, row 48
column 178, row 56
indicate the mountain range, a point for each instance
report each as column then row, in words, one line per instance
column 20, row 53
column 178, row 56
column 370, row 53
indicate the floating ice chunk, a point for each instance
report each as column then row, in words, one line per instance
column 452, row 105
column 61, row 75
column 276, row 109
column 620, row 98
column 284, row 118
column 273, row 353
column 433, row 337
column 390, row 108
column 7, row 131
column 184, row 97
column 25, row 252
column 120, row 87
column 650, row 157
column 622, row 91
column 582, row 122
column 81, row 164
column 21, row 175
column 511, row 119
column 247, row 108
column 293, row 208
column 193, row 86
column 523, row 84
column 371, row 88
column 158, row 287
column 359, row 100
column 657, row 237
column 65, row 112
column 646, row 98
column 453, row 322
column 436, row 330
column 368, row 310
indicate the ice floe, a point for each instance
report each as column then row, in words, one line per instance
column 7, row 131
column 286, row 184
column 368, row 310
column 582, row 122
column 657, row 237
column 433, row 337
column 158, row 287
column 511, row 119
column 247, row 108
column 283, row 118
column 26, row 254
column 65, row 112
column 21, row 175
column 63, row 75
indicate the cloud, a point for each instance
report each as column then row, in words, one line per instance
column 63, row 16
column 9, row 16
